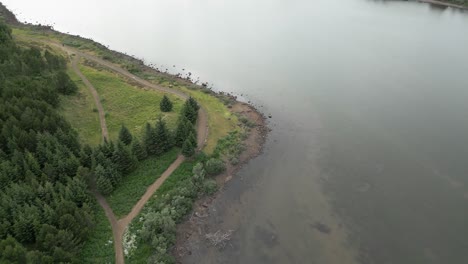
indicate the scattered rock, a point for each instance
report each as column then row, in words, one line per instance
column 321, row 227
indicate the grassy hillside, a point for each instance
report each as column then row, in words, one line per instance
column 128, row 104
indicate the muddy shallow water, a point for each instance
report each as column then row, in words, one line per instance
column 367, row 160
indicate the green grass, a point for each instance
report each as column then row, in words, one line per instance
column 78, row 110
column 183, row 172
column 127, row 104
column 134, row 185
column 97, row 248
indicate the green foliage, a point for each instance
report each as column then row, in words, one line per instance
column 104, row 185
column 45, row 212
column 125, row 136
column 64, row 84
column 138, row 150
column 193, row 140
column 210, row 187
column 163, row 137
column 150, row 140
column 11, row 251
column 214, row 166
column 173, row 199
column 190, row 110
column 188, row 149
column 166, row 104
column 131, row 187
column 124, row 159
column 199, row 174
column 230, row 145
column 181, row 132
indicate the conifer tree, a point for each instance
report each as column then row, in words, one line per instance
column 189, row 112
column 181, row 131
column 187, row 149
column 150, row 141
column 125, row 136
column 162, row 137
column 192, row 139
column 193, row 103
column 86, row 156
column 138, row 150
column 104, row 185
column 124, row 159
column 166, row 104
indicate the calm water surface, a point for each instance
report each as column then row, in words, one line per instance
column 368, row 158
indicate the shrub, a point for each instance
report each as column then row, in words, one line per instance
column 210, row 187
column 214, row 166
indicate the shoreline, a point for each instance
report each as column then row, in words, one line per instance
column 254, row 142
column 191, row 227
column 442, row 3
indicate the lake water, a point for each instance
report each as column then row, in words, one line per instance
column 368, row 158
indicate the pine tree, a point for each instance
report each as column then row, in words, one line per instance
column 64, row 84
column 187, row 149
column 181, row 131
column 138, row 150
column 150, row 141
column 104, row 185
column 86, row 156
column 166, row 104
column 124, row 159
column 125, row 136
column 192, row 139
column 189, row 112
column 193, row 103
column 162, row 137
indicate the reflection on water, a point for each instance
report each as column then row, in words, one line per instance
column 367, row 159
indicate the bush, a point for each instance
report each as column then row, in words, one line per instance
column 247, row 122
column 210, row 187
column 234, row 160
column 214, row 166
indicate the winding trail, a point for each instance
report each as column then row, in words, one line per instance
column 97, row 100
column 120, row 225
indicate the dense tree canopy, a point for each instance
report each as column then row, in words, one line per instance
column 44, row 202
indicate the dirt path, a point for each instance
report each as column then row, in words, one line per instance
column 119, row 226
column 97, row 100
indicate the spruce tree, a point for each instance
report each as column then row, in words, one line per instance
column 162, row 137
column 104, row 185
column 181, row 131
column 149, row 139
column 125, row 136
column 187, row 149
column 191, row 130
column 193, row 103
column 124, row 159
column 166, row 104
column 138, row 150
column 189, row 112
column 193, row 140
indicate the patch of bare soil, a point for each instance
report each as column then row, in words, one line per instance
column 254, row 144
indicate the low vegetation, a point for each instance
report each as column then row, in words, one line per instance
column 155, row 227
column 79, row 109
column 131, row 188
column 128, row 104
